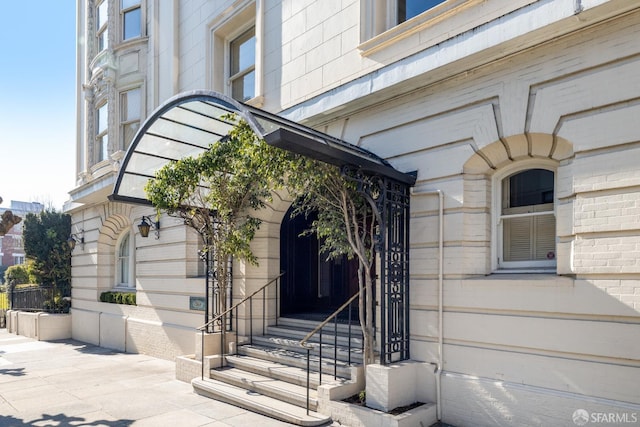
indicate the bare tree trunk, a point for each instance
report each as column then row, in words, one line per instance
column 365, row 307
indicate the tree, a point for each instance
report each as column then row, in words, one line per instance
column 45, row 242
column 345, row 225
column 216, row 193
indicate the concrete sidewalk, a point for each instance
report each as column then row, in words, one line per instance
column 68, row 383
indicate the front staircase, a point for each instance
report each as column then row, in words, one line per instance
column 269, row 376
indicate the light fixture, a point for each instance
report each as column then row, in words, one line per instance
column 76, row 238
column 146, row 225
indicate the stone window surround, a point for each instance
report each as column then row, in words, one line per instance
column 225, row 28
column 496, row 208
column 130, row 285
column 379, row 29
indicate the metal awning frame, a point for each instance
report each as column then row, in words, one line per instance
column 182, row 122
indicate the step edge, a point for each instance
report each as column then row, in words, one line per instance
column 271, row 390
column 306, row 420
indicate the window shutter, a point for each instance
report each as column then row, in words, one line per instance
column 545, row 237
column 517, row 239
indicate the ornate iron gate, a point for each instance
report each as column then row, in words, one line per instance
column 390, row 202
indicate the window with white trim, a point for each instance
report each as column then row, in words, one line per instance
column 242, row 60
column 526, row 220
column 130, row 111
column 379, row 16
column 130, row 19
column 102, row 33
column 407, row 9
column 236, row 64
column 124, row 261
column 102, row 137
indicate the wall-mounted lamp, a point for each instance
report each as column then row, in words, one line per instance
column 146, row 225
column 76, row 238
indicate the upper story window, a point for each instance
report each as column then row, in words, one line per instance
column 242, row 58
column 130, row 110
column 102, row 34
column 236, row 63
column 102, row 137
column 407, row 9
column 385, row 23
column 131, row 19
column 379, row 16
column 124, row 277
column 526, row 223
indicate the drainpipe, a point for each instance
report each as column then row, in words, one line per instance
column 439, row 363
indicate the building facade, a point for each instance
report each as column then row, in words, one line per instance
column 520, row 119
column 11, row 244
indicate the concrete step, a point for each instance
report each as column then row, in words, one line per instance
column 278, row 389
column 291, row 374
column 297, row 332
column 259, row 403
column 280, row 342
column 309, row 325
column 297, row 358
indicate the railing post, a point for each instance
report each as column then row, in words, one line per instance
column 237, row 331
column 222, row 330
column 308, row 376
column 320, row 359
column 349, row 347
column 202, row 354
column 335, row 347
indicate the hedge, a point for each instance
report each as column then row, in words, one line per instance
column 128, row 298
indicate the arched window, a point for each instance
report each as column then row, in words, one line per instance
column 526, row 231
column 124, row 269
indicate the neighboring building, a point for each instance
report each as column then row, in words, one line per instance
column 520, row 118
column 11, row 244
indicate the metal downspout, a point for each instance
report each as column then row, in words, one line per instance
column 440, row 360
column 440, row 302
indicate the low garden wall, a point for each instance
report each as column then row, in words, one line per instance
column 39, row 325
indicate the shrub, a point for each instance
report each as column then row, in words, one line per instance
column 128, row 298
column 18, row 274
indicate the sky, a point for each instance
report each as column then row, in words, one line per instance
column 37, row 101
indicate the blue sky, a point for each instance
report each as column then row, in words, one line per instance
column 37, row 101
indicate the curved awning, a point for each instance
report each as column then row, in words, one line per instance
column 188, row 123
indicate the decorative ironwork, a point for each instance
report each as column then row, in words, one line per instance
column 213, row 295
column 389, row 200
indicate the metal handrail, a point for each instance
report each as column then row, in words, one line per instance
column 303, row 342
column 229, row 310
column 223, row 315
column 328, row 319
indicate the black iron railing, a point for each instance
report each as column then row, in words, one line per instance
column 318, row 330
column 219, row 322
column 38, row 298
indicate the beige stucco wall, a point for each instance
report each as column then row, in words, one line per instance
column 525, row 349
column 540, row 84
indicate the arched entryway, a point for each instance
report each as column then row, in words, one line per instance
column 313, row 286
column 186, row 125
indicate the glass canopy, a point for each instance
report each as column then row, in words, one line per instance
column 188, row 123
